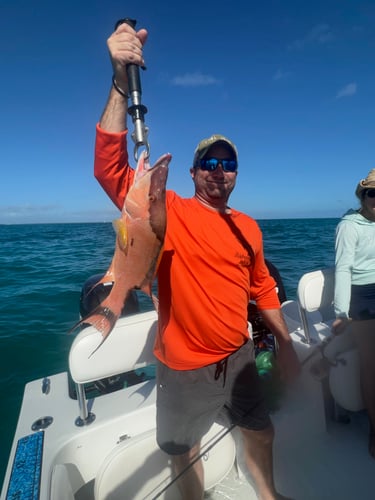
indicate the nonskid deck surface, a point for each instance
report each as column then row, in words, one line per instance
column 333, row 465
column 317, row 456
column 314, row 458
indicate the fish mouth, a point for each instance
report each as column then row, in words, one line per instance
column 159, row 174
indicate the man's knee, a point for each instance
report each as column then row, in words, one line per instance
column 186, row 457
column 263, row 436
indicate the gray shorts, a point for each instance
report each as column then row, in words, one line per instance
column 190, row 401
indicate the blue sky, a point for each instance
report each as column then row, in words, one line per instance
column 290, row 82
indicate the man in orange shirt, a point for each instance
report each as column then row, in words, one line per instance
column 212, row 265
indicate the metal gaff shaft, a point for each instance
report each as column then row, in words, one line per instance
column 137, row 110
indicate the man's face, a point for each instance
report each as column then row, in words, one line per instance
column 217, row 185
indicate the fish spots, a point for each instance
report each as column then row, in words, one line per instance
column 122, row 233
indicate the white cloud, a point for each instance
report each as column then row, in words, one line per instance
column 319, row 34
column 347, row 91
column 196, row 79
column 33, row 214
column 281, row 75
column 27, row 210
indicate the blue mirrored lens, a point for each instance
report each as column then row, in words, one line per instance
column 211, row 164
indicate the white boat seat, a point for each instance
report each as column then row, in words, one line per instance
column 61, row 488
column 129, row 346
column 315, row 295
column 291, row 314
column 137, row 469
column 344, row 381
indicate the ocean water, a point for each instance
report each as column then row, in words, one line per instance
column 42, row 270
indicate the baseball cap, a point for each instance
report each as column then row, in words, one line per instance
column 206, row 144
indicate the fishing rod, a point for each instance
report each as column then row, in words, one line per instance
column 137, row 110
column 320, row 369
column 319, row 349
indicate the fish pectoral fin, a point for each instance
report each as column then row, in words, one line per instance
column 155, row 301
column 122, row 233
column 147, row 289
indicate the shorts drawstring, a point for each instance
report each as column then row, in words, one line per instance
column 221, row 367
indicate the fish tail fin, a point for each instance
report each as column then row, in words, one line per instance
column 102, row 318
column 97, row 348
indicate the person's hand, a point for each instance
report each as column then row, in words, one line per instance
column 125, row 47
column 339, row 325
column 289, row 364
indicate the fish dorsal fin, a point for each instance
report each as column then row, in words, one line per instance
column 122, row 232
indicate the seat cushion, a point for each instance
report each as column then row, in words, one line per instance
column 138, row 469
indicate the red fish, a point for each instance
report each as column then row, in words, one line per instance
column 140, row 236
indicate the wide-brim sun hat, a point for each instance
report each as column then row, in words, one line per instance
column 206, row 144
column 368, row 183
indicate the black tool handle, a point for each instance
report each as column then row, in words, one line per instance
column 132, row 70
column 137, row 110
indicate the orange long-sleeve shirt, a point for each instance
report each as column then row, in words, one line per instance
column 212, row 265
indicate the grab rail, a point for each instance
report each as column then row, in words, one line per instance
column 85, row 416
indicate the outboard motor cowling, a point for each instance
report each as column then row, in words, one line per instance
column 93, row 294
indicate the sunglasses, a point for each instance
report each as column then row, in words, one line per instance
column 211, row 164
column 370, row 193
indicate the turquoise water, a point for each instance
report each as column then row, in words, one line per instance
column 42, row 269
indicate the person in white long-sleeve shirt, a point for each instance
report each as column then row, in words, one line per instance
column 354, row 300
